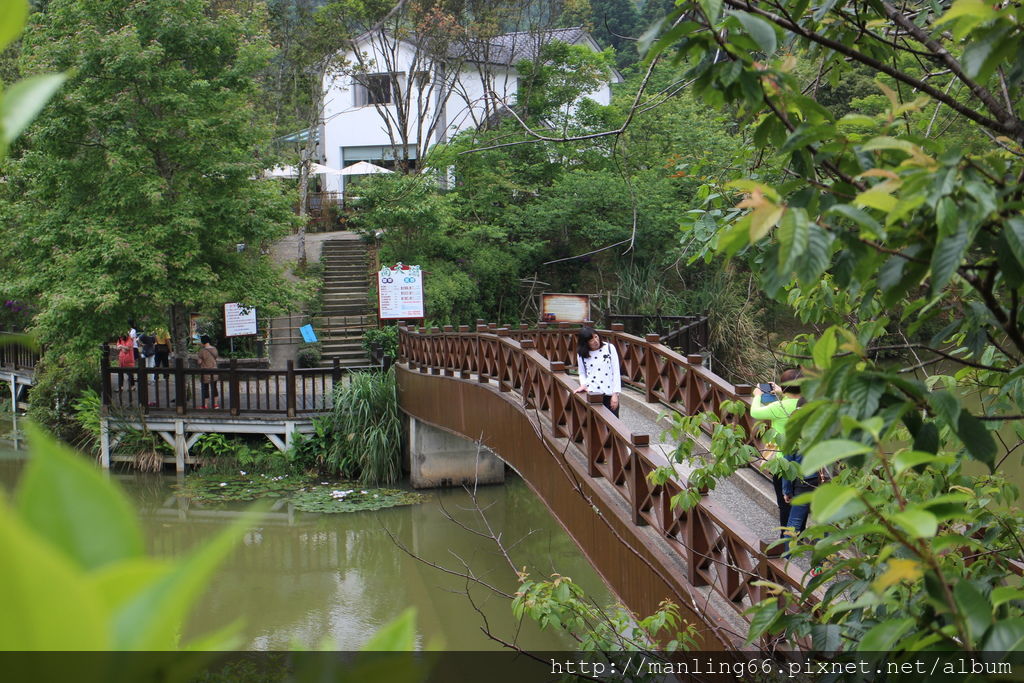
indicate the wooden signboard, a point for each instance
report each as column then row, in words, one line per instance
column 564, row 308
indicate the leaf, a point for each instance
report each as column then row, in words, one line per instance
column 758, row 29
column 24, row 100
column 876, row 199
column 792, row 235
column 1005, row 636
column 881, row 637
column 1004, row 594
column 904, row 460
column 947, row 256
column 47, row 604
column 764, row 615
column 398, row 635
column 712, row 9
column 817, row 256
column 1014, row 234
column 859, row 217
column 152, row 619
column 824, row 349
column 70, row 503
column 946, row 406
column 916, row 522
column 12, row 19
column 828, row 452
column 974, row 606
column 833, row 502
column 976, row 10
column 977, row 440
column 897, row 569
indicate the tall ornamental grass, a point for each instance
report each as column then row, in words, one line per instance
column 367, row 433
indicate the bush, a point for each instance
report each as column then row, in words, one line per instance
column 310, row 355
column 384, row 338
column 368, row 435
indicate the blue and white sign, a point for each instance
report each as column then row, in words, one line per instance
column 400, row 292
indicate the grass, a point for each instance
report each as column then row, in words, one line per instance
column 367, row 438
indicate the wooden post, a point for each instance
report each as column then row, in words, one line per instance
column 233, row 390
column 289, row 388
column 335, row 373
column 104, row 374
column 502, row 364
column 650, row 366
column 640, row 485
column 143, row 382
column 179, row 386
column 593, row 444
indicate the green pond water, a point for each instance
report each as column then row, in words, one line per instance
column 301, row 579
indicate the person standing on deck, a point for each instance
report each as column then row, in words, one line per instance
column 208, row 361
column 778, row 412
column 598, row 364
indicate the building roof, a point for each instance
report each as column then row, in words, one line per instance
column 508, row 48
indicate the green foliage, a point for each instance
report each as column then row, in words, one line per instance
column 87, row 409
column 310, row 355
column 305, row 494
column 226, row 453
column 367, row 430
column 559, row 603
column 553, row 85
column 76, row 576
column 385, row 339
column 871, row 224
column 155, row 178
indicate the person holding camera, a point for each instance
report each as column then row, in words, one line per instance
column 776, row 403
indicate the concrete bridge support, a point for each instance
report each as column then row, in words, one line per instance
column 438, row 458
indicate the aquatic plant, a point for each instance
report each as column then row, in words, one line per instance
column 367, row 431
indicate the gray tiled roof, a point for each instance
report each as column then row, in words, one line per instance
column 509, row 48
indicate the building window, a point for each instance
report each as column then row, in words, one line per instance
column 373, row 89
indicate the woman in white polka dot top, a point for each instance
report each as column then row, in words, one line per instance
column 598, row 363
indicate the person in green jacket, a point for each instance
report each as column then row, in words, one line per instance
column 785, row 400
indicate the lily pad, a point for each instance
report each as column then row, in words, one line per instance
column 307, row 495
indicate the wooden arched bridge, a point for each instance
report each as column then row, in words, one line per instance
column 509, row 389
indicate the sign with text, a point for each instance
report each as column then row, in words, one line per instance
column 400, row 292
column 239, row 321
column 564, row 308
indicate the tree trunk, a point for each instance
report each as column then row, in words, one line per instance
column 303, row 194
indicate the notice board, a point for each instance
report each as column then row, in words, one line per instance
column 400, row 293
column 239, row 320
column 564, row 308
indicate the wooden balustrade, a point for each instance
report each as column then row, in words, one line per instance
column 16, row 357
column 719, row 551
column 240, row 391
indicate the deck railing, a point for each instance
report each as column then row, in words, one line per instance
column 240, row 391
column 16, row 357
column 689, row 333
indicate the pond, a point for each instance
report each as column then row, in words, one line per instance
column 306, row 580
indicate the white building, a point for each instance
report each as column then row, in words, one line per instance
column 396, row 98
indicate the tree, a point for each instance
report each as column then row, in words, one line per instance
column 133, row 194
column 872, row 227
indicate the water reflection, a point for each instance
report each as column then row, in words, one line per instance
column 307, row 580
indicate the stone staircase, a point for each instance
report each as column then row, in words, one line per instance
column 346, row 312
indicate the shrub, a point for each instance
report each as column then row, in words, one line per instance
column 384, row 338
column 310, row 355
column 367, row 442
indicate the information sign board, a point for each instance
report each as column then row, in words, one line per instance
column 565, row 308
column 239, row 321
column 400, row 293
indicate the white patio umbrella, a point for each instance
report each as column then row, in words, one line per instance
column 320, row 168
column 363, row 168
column 282, row 172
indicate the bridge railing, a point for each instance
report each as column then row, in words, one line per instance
column 17, row 357
column 679, row 382
column 719, row 551
column 290, row 392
